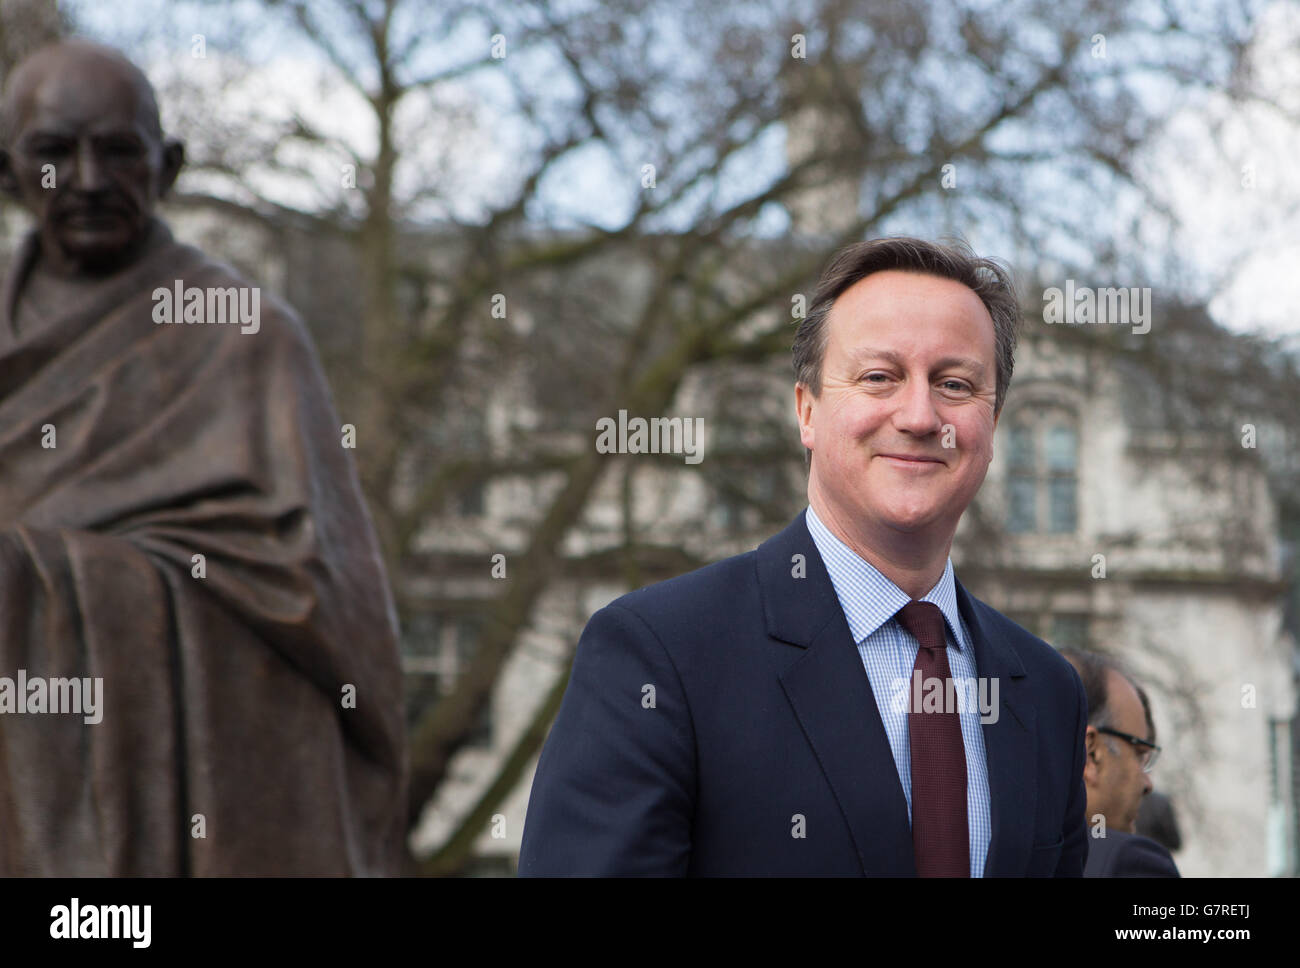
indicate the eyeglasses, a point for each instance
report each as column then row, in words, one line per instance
column 1147, row 751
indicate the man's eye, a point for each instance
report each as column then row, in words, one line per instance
column 123, row 149
column 50, row 149
column 875, row 377
column 955, row 385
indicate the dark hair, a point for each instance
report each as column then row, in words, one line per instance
column 1094, row 669
column 1146, row 711
column 988, row 279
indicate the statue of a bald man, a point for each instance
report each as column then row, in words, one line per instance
column 198, row 661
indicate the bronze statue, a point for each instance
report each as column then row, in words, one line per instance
column 198, row 661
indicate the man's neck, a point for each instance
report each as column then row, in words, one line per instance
column 914, row 562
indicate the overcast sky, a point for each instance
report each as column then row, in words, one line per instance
column 1237, row 193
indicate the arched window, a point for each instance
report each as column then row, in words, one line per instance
column 1042, row 473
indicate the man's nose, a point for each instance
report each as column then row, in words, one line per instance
column 89, row 174
column 1147, row 785
column 916, row 413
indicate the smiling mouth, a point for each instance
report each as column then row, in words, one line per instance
column 904, row 461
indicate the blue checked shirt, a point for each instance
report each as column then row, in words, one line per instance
column 870, row 601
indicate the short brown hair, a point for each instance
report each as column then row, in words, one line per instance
column 1094, row 670
column 987, row 278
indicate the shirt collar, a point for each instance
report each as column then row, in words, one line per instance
column 868, row 598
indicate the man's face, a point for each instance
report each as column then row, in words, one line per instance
column 902, row 431
column 1115, row 781
column 86, row 162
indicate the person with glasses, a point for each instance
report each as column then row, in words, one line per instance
column 1121, row 753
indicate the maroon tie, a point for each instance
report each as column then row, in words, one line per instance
column 940, row 836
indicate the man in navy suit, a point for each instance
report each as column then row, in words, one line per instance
column 835, row 702
column 1120, row 854
column 1120, row 753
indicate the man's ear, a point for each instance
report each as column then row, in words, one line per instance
column 8, row 180
column 993, row 434
column 1091, row 743
column 803, row 409
column 173, row 160
column 1091, row 759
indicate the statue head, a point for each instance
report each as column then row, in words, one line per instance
column 82, row 149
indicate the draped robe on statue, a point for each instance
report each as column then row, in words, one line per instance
column 228, row 743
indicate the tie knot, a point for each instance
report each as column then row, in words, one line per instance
column 925, row 621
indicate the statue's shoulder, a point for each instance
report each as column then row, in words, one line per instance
column 239, row 302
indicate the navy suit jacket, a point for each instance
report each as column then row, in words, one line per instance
column 722, row 723
column 1127, row 855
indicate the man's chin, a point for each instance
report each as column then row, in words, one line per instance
column 98, row 251
column 913, row 522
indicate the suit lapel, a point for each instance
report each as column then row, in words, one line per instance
column 832, row 699
column 1010, row 744
column 831, row 696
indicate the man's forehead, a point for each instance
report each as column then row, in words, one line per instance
column 876, row 299
column 77, row 89
column 904, row 285
column 55, row 115
column 1126, row 705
